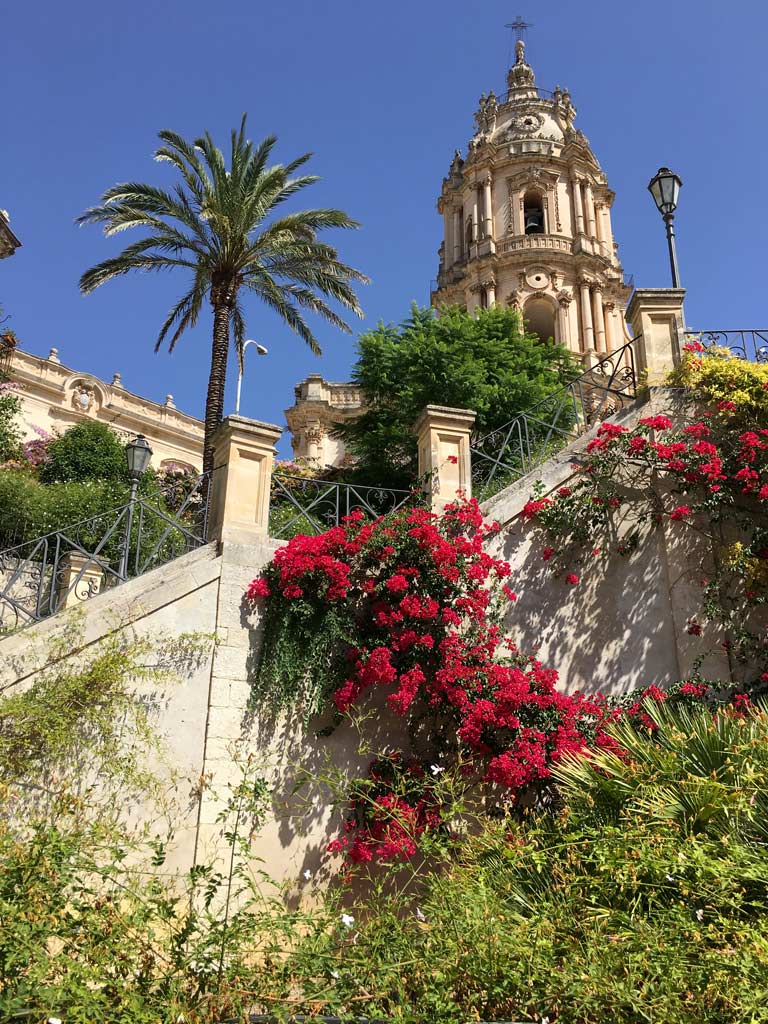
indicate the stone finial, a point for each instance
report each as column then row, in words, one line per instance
column 117, row 380
column 520, row 52
column 53, row 356
column 445, row 468
column 169, row 403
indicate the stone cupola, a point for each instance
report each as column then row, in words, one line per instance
column 527, row 220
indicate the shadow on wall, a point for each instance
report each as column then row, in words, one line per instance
column 613, row 631
column 309, row 767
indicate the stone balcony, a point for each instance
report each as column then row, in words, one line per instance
column 518, row 243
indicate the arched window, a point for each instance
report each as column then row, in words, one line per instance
column 533, row 213
column 468, row 235
column 539, row 317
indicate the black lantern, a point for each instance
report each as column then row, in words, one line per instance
column 665, row 189
column 138, row 453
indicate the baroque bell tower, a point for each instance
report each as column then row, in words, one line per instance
column 527, row 220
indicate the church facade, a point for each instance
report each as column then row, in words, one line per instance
column 527, row 223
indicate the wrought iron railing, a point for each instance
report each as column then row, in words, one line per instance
column 504, row 455
column 750, row 345
column 40, row 576
column 304, row 505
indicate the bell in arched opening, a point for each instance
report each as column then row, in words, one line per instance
column 533, row 214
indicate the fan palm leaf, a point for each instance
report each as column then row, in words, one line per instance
column 218, row 223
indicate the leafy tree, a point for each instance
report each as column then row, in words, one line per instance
column 214, row 225
column 482, row 361
column 87, row 451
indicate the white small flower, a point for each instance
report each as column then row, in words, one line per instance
column 53, row 1020
column 436, row 769
column 420, row 915
column 307, row 874
column 699, row 914
column 347, row 920
column 669, row 878
column 334, row 974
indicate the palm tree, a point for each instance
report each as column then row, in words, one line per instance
column 214, row 224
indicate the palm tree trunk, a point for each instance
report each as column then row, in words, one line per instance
column 217, row 379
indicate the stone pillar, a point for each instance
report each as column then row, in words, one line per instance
column 563, row 302
column 444, row 460
column 599, row 320
column 610, row 343
column 518, row 212
column 578, row 209
column 490, row 293
column 586, row 317
column 488, row 209
column 608, row 231
column 475, row 216
column 448, row 240
column 457, row 234
column 79, row 577
column 658, row 325
column 590, row 210
column 244, row 453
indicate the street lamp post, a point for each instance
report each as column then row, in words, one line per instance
column 262, row 351
column 665, row 189
column 137, row 454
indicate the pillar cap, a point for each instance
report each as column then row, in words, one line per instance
column 663, row 298
column 244, row 425
column 464, row 417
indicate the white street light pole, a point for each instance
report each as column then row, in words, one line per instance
column 262, row 351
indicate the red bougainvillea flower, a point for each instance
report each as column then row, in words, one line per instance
column 258, row 588
column 680, row 513
column 572, row 579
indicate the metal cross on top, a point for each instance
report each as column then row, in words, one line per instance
column 519, row 26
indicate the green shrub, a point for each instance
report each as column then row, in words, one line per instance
column 87, row 451
column 10, row 434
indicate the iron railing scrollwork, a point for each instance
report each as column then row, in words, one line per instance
column 307, row 505
column 504, row 455
column 40, row 576
column 751, row 345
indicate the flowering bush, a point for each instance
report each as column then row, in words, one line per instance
column 411, row 604
column 708, row 474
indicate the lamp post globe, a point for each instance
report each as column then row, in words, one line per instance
column 665, row 186
column 138, row 455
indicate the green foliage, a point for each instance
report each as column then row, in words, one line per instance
column 30, row 509
column 88, row 451
column 482, row 361
column 655, row 911
column 10, row 434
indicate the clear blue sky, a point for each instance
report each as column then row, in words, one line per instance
column 381, row 93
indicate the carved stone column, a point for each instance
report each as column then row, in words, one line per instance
column 610, row 343
column 488, row 207
column 599, row 319
column 457, row 232
column 244, row 453
column 475, row 216
column 578, row 209
column 563, row 315
column 448, row 237
column 587, row 329
column 444, row 460
column 490, row 293
column 589, row 202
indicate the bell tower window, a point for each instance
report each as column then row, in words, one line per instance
column 533, row 213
